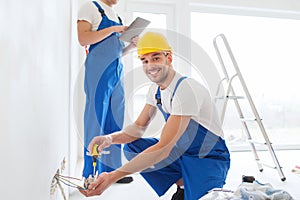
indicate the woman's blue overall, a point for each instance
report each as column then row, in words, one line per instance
column 199, row 157
column 104, row 109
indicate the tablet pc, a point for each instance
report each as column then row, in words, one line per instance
column 134, row 29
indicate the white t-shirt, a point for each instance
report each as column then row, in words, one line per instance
column 190, row 99
column 90, row 13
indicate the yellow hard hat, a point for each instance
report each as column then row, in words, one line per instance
column 152, row 42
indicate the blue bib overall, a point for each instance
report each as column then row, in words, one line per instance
column 199, row 157
column 104, row 109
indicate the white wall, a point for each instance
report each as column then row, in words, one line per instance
column 35, row 41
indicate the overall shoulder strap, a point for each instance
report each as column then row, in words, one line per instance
column 177, row 84
column 100, row 9
column 159, row 104
column 157, row 95
column 158, row 98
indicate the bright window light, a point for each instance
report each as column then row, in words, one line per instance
column 267, row 52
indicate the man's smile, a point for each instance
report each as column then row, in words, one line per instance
column 153, row 72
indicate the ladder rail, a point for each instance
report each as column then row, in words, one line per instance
column 250, row 100
column 219, row 87
column 244, row 87
column 229, row 88
column 237, row 105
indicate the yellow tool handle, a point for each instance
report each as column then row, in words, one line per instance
column 95, row 151
column 95, row 154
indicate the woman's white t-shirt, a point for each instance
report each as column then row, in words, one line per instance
column 190, row 99
column 90, row 13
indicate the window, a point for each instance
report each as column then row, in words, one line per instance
column 267, row 52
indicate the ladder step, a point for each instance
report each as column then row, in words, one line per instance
column 256, row 142
column 235, row 97
column 248, row 119
column 268, row 165
column 230, row 97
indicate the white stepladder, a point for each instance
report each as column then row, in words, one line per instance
column 230, row 95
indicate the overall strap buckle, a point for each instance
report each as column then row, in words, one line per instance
column 99, row 8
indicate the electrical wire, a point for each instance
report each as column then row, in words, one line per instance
column 73, row 186
column 64, row 180
column 69, row 177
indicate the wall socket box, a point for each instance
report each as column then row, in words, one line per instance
column 55, row 186
column 54, row 182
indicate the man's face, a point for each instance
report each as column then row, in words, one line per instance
column 156, row 66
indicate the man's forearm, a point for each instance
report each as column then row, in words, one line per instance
column 92, row 37
column 122, row 138
column 144, row 160
column 128, row 134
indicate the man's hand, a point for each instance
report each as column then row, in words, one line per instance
column 102, row 141
column 132, row 45
column 99, row 185
column 134, row 41
column 119, row 29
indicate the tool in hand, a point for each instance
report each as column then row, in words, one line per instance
column 95, row 155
